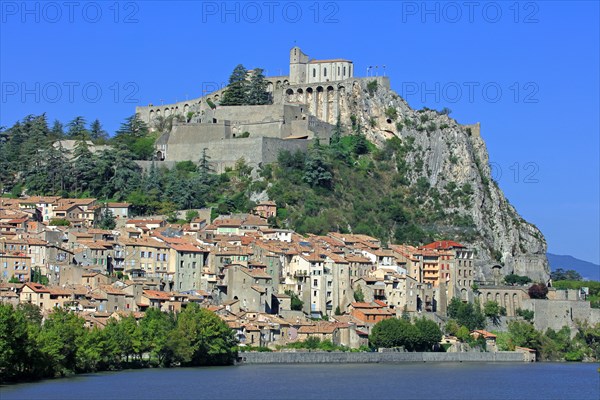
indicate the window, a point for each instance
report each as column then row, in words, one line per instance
column 314, row 72
column 315, row 282
column 324, row 71
column 344, row 71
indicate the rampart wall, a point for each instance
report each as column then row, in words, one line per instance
column 369, row 358
column 224, row 153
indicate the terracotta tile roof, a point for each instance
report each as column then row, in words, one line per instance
column 186, row 247
column 36, row 242
column 313, row 257
column 118, row 205
column 228, row 222
column 157, row 295
column 354, row 258
column 483, row 333
column 443, row 245
column 259, row 289
column 365, row 305
column 257, row 273
column 60, row 292
column 108, row 289
column 37, row 287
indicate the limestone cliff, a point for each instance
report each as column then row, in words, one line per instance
column 444, row 152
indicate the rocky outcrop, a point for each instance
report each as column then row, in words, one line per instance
column 444, row 152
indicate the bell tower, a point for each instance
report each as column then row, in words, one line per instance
column 298, row 61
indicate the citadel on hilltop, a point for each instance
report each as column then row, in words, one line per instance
column 305, row 104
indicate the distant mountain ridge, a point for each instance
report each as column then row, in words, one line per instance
column 587, row 269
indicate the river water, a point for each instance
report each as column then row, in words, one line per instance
column 503, row 381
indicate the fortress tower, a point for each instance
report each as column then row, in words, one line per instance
column 298, row 61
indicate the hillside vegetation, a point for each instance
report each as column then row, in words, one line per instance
column 347, row 186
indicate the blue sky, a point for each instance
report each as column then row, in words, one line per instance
column 529, row 72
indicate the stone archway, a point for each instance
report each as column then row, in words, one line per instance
column 330, row 104
column 300, row 95
column 319, row 106
column 310, row 100
column 289, row 96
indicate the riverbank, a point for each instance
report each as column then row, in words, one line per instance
column 323, row 357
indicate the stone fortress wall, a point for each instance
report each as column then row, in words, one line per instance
column 319, row 357
column 305, row 105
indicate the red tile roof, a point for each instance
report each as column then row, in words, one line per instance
column 443, row 245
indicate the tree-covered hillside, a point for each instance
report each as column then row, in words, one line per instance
column 348, row 185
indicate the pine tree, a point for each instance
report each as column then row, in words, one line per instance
column 336, row 134
column 204, row 167
column 133, row 127
column 236, row 93
column 135, row 136
column 97, row 133
column 57, row 132
column 83, row 166
column 257, row 92
column 108, row 220
column 77, row 129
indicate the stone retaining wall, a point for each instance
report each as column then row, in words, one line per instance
column 389, row 357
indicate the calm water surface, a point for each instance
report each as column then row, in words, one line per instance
column 348, row 381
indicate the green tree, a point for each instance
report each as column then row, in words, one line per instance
column 76, row 129
column 257, row 91
column 317, row 169
column 451, row 327
column 513, row 279
column 394, row 333
column 190, row 215
column 57, row 131
column 429, row 334
column 523, row 334
column 463, row 334
column 84, row 167
column 204, row 167
column 527, row 315
column 163, row 124
column 135, row 136
column 97, row 133
column 296, row 303
column 19, row 351
column 58, row 339
column 359, row 296
column 493, row 311
column 466, row 314
column 37, row 277
column 236, row 93
column 107, row 220
column 158, row 329
column 405, row 315
column 336, row 134
column 568, row 275
column 209, row 341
